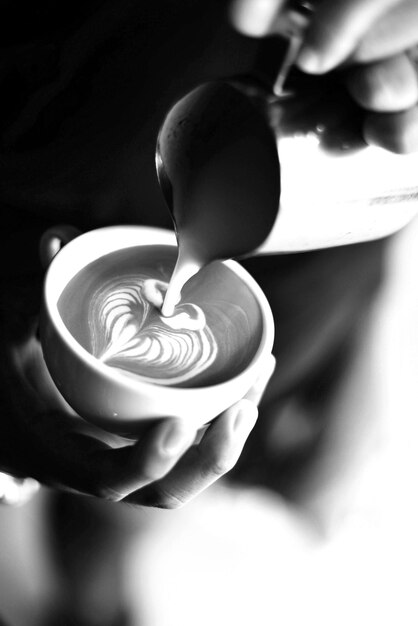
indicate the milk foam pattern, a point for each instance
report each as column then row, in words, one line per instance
column 129, row 333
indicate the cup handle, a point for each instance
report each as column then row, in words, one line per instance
column 53, row 240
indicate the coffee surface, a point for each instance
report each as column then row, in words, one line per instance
column 112, row 308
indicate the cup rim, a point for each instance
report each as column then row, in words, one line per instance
column 148, row 236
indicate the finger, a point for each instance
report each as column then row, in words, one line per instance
column 257, row 390
column 393, row 33
column 335, row 31
column 205, row 463
column 255, row 17
column 386, row 86
column 397, row 132
column 129, row 468
column 255, row 393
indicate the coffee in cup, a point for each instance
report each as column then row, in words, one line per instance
column 112, row 307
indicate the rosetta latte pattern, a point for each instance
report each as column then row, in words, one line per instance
column 129, row 333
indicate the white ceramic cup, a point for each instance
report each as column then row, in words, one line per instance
column 102, row 394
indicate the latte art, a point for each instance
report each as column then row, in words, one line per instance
column 112, row 308
column 128, row 332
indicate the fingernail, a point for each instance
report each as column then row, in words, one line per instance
column 246, row 416
column 174, row 438
column 309, row 61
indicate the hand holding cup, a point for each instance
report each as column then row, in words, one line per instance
column 164, row 467
column 165, row 464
